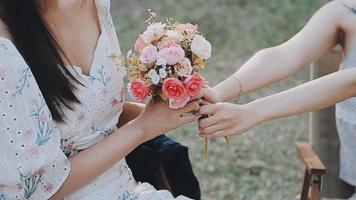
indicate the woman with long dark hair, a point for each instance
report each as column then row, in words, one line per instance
column 61, row 95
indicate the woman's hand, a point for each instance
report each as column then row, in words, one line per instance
column 227, row 119
column 211, row 95
column 158, row 118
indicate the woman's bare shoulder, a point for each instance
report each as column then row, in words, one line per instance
column 4, row 32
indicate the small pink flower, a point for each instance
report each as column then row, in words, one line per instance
column 179, row 103
column 149, row 54
column 114, row 102
column 41, row 172
column 139, row 44
column 32, row 150
column 81, row 116
column 49, row 187
column 2, row 186
column 172, row 54
column 173, row 89
column 28, row 132
column 187, row 27
column 138, row 90
column 193, row 85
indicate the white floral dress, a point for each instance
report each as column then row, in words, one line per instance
column 34, row 149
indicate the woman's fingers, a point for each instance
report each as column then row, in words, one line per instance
column 187, row 119
column 208, row 109
column 208, row 121
column 220, row 133
column 189, row 108
column 213, row 128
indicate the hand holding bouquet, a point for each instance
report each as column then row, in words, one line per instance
column 165, row 62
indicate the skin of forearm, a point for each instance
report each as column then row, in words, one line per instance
column 131, row 111
column 265, row 67
column 90, row 163
column 311, row 96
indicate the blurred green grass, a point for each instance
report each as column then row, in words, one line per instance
column 261, row 164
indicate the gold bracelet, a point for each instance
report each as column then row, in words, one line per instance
column 240, row 87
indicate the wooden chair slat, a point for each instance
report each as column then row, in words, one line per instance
column 311, row 160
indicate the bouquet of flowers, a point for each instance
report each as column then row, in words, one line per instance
column 165, row 62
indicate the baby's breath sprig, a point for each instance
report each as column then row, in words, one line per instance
column 171, row 23
column 151, row 18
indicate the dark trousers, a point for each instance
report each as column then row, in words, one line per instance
column 164, row 164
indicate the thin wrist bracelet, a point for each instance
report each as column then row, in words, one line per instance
column 240, row 88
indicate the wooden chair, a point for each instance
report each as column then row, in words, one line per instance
column 314, row 172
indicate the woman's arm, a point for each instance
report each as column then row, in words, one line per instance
column 276, row 63
column 229, row 119
column 130, row 111
column 157, row 118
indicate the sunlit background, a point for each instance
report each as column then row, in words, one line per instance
column 261, row 164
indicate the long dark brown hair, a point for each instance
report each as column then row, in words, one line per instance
column 32, row 37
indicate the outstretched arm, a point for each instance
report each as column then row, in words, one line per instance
column 277, row 63
column 229, row 119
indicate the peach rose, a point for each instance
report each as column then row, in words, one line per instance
column 138, row 90
column 179, row 103
column 184, row 68
column 193, row 84
column 149, row 55
column 172, row 54
column 139, row 44
column 173, row 89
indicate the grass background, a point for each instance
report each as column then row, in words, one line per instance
column 261, row 164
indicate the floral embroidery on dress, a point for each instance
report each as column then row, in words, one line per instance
column 45, row 127
column 24, row 81
column 127, row 196
column 30, row 182
column 2, row 196
column 101, row 78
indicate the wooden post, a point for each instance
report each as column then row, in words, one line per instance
column 323, row 133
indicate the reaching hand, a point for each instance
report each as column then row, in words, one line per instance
column 227, row 119
column 211, row 95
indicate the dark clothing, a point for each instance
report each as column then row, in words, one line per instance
column 162, row 154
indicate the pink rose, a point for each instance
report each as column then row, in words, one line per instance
column 138, row 90
column 173, row 88
column 149, row 54
column 172, row 54
column 179, row 103
column 166, row 43
column 139, row 44
column 187, row 27
column 193, row 85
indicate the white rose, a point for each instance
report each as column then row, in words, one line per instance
column 147, row 37
column 154, row 32
column 174, row 35
column 201, row 47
